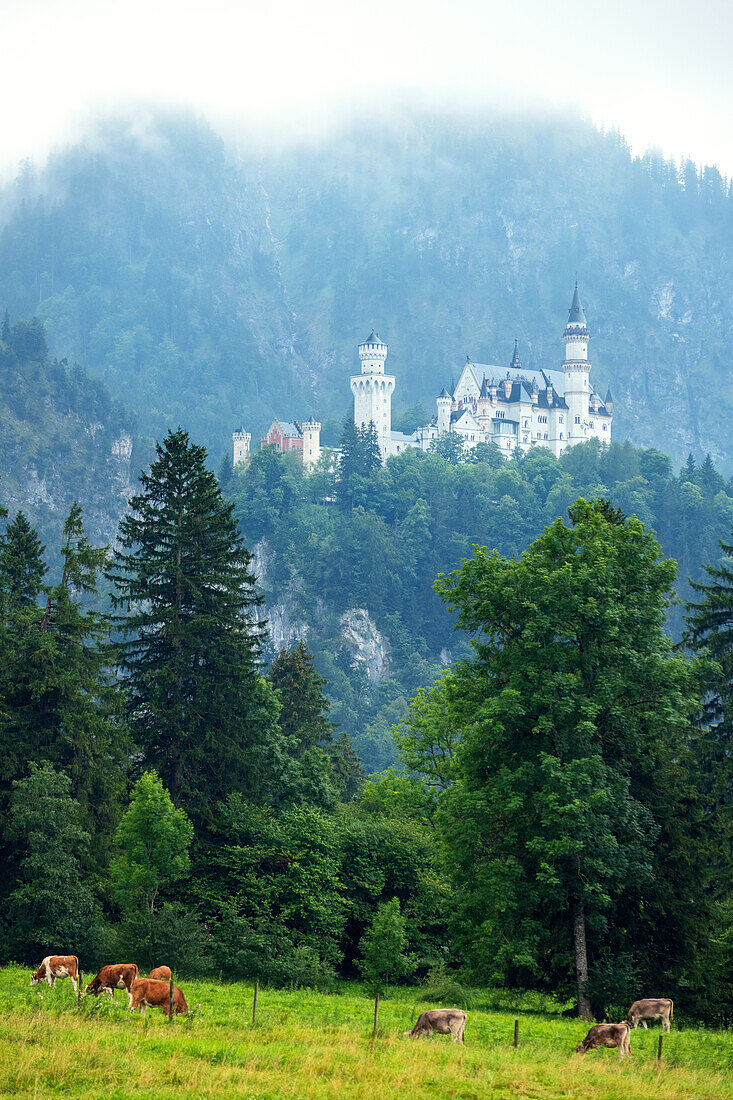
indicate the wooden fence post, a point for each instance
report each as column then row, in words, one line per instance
column 79, row 980
column 254, row 1004
column 516, row 1034
column 376, row 1014
column 659, row 1050
column 170, row 1001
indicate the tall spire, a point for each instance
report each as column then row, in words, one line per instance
column 516, row 361
column 576, row 316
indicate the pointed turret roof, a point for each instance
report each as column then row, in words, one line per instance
column 516, row 361
column 373, row 338
column 608, row 397
column 443, row 393
column 576, row 316
column 484, row 387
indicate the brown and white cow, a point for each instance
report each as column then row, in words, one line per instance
column 161, row 973
column 57, row 966
column 607, row 1035
column 444, row 1021
column 116, row 976
column 651, row 1008
column 148, row 991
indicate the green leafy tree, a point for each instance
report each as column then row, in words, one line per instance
column 567, row 772
column 429, row 734
column 50, row 901
column 383, row 948
column 152, row 846
column 203, row 716
column 151, row 857
column 449, row 446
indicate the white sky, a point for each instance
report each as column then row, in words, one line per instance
column 658, row 70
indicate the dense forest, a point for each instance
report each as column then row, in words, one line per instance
column 326, row 545
column 560, row 816
column 62, row 438
column 210, row 286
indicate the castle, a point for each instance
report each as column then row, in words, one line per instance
column 490, row 404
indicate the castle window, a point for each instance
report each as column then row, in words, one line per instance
column 561, row 419
column 577, row 420
column 591, row 423
column 605, row 427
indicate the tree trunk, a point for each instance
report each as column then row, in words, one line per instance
column 581, row 958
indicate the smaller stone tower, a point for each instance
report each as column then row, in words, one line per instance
column 242, row 442
column 444, row 402
column 576, row 369
column 311, row 443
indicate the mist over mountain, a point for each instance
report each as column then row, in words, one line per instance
column 210, row 287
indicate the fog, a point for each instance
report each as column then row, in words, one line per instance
column 283, row 70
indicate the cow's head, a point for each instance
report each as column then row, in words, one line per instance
column 94, row 987
column 417, row 1032
column 581, row 1048
column 35, row 977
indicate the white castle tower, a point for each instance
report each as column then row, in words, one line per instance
column 242, row 442
column 576, row 369
column 372, row 390
column 311, row 443
column 445, row 404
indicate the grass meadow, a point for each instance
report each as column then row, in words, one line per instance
column 317, row 1046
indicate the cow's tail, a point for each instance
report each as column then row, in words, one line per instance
column 137, row 971
column 671, row 1008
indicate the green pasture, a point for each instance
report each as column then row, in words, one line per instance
column 311, row 1045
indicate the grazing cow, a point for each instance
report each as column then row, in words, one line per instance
column 607, row 1035
column 57, row 966
column 651, row 1008
column 117, row 976
column 148, row 991
column 446, row 1021
column 161, row 973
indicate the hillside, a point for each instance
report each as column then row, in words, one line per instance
column 209, row 286
column 62, row 438
column 355, row 577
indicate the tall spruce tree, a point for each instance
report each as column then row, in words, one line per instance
column 561, row 819
column 22, row 567
column 59, row 694
column 710, row 633
column 50, row 901
column 304, row 714
column 205, row 719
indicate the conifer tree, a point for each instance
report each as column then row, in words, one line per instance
column 203, row 716
column 371, row 455
column 50, row 901
column 710, row 633
column 58, row 691
column 22, row 567
column 351, row 462
column 304, row 714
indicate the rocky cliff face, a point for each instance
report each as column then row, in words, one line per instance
column 370, row 650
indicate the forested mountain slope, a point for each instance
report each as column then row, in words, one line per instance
column 62, row 438
column 351, row 567
column 210, row 287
